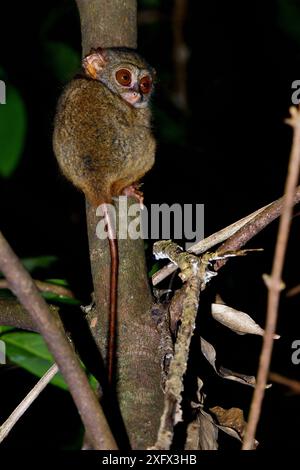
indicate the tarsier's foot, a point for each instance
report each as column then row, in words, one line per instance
column 133, row 191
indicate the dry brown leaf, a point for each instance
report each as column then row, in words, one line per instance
column 209, row 353
column 202, row 434
column 207, row 428
column 239, row 322
column 232, row 418
column 231, row 421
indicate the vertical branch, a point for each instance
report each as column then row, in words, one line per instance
column 274, row 282
column 180, row 54
column 107, row 23
column 113, row 23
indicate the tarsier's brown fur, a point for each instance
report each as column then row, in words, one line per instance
column 102, row 143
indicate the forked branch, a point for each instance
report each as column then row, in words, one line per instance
column 50, row 327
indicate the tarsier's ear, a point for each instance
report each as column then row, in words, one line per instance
column 94, row 62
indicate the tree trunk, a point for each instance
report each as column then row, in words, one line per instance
column 113, row 23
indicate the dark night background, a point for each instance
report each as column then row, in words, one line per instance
column 229, row 152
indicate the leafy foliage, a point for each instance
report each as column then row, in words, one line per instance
column 13, row 123
column 4, row 329
column 38, row 262
column 29, row 351
column 55, row 298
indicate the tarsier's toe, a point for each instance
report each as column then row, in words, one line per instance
column 133, row 191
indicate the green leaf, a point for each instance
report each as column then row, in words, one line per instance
column 58, row 282
column 29, row 351
column 51, row 297
column 62, row 59
column 154, row 269
column 3, row 329
column 13, row 121
column 93, row 382
column 38, row 262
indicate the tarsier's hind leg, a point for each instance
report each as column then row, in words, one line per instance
column 87, row 179
column 129, row 186
column 92, row 193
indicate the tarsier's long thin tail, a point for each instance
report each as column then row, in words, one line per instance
column 114, row 267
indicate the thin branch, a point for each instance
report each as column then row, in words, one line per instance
column 193, row 272
column 12, row 313
column 209, row 242
column 293, row 291
column 28, row 400
column 44, row 287
column 50, row 327
column 172, row 413
column 236, row 234
column 274, row 283
column 180, row 54
column 293, row 385
column 256, row 225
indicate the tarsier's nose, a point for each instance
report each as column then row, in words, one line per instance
column 135, row 97
column 132, row 97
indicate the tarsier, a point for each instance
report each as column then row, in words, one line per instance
column 103, row 140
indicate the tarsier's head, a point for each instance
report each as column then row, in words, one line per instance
column 123, row 71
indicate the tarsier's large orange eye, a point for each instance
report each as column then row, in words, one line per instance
column 145, row 85
column 123, row 77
